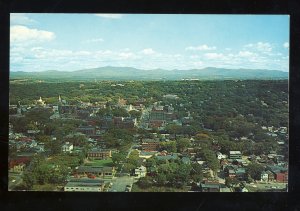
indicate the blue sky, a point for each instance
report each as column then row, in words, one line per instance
column 70, row 42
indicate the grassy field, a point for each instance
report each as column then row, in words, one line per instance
column 107, row 163
column 136, row 188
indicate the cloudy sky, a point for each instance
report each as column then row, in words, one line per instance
column 68, row 42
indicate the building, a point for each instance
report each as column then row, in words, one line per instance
column 99, row 154
column 87, row 130
column 67, row 147
column 97, row 171
column 235, row 155
column 280, row 173
column 271, row 176
column 210, row 187
column 264, row 176
column 140, row 172
column 150, row 145
column 220, row 156
column 85, row 185
column 124, row 122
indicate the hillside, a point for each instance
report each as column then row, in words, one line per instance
column 128, row 73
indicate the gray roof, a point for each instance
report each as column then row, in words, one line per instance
column 95, row 169
column 84, row 182
column 210, row 185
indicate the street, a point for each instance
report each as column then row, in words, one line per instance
column 120, row 183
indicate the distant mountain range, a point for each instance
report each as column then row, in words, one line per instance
column 129, row 73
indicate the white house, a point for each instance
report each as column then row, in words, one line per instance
column 67, row 147
column 140, row 172
column 264, row 176
column 220, row 156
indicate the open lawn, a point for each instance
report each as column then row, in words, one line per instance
column 107, row 162
column 136, row 188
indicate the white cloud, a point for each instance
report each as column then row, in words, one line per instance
column 111, row 16
column 23, row 35
column 246, row 54
column 148, row 51
column 214, row 56
column 20, row 19
column 286, row 45
column 94, row 40
column 260, row 46
column 200, row 48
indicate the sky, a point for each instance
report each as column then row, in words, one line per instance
column 69, row 42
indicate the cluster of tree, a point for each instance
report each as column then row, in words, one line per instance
column 54, row 171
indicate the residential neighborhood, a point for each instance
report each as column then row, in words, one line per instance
column 142, row 145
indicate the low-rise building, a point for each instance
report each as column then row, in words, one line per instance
column 235, row 155
column 84, row 185
column 67, row 147
column 264, row 176
column 97, row 171
column 140, row 172
column 210, row 187
column 150, row 145
column 99, row 154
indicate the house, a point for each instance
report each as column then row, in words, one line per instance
column 240, row 173
column 220, row 156
column 229, row 171
column 271, row 176
column 98, row 171
column 264, row 176
column 140, row 172
column 280, row 173
column 173, row 156
column 150, row 145
column 99, row 154
column 85, row 185
column 87, row 130
column 235, row 155
column 67, row 147
column 18, row 167
column 210, row 187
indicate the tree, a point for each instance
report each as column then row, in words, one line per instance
column 135, row 114
column 118, row 157
column 29, row 179
column 161, row 179
column 196, row 172
column 170, row 146
column 254, row 170
column 182, row 144
column 230, row 182
column 144, row 182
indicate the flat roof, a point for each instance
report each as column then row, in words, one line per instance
column 84, row 182
column 234, row 152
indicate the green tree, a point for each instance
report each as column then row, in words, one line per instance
column 196, row 172
column 182, row 144
column 144, row 182
column 135, row 114
column 254, row 170
column 118, row 157
column 170, row 146
column 230, row 182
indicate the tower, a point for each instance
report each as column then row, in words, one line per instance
column 59, row 98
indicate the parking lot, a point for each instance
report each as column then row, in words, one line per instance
column 120, row 183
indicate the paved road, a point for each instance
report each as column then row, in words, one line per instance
column 268, row 186
column 119, row 183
